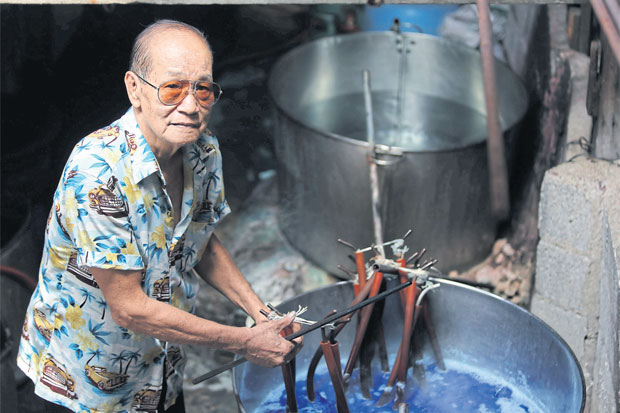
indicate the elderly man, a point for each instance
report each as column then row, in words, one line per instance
column 129, row 232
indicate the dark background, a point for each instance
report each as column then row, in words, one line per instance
column 62, row 78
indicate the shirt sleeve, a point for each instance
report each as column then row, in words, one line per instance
column 95, row 214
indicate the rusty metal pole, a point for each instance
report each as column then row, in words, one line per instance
column 374, row 178
column 498, row 174
column 614, row 12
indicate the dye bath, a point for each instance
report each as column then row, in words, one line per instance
column 445, row 124
column 457, row 389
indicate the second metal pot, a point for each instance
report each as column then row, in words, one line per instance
column 431, row 127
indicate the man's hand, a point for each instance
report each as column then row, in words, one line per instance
column 266, row 347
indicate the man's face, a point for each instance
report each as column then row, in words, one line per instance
column 175, row 55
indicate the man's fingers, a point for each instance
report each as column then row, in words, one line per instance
column 286, row 321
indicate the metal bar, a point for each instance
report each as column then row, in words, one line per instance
column 498, row 174
column 374, row 179
column 608, row 25
column 307, row 330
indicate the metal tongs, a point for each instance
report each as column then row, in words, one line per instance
column 306, row 330
column 412, row 306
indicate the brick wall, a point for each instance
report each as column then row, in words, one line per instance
column 577, row 287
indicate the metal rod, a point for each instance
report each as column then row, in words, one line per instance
column 374, row 179
column 347, row 271
column 419, row 257
column 348, row 244
column 401, row 91
column 307, row 329
column 498, row 174
column 385, row 244
column 415, row 255
column 407, row 234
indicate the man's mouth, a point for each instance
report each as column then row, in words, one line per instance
column 186, row 125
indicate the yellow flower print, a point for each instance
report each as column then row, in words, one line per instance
column 58, row 322
column 85, row 241
column 71, row 209
column 148, row 202
column 129, row 249
column 57, row 257
column 74, row 316
column 35, row 360
column 85, row 340
column 131, row 190
column 159, row 238
column 71, row 204
column 110, row 406
column 169, row 220
column 110, row 256
column 112, row 157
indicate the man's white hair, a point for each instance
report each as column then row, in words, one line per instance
column 140, row 60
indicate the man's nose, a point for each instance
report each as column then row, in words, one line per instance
column 189, row 104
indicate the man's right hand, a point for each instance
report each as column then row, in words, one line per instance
column 266, row 347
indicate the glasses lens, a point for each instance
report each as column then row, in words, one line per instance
column 207, row 93
column 174, row 91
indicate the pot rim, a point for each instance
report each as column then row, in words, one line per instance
column 332, row 40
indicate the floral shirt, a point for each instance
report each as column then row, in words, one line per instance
column 111, row 210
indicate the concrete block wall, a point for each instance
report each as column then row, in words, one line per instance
column 577, row 286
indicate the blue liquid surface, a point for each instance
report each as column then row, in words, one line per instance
column 457, row 389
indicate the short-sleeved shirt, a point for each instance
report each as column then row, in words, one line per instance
column 111, row 210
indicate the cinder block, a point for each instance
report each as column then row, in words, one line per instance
column 565, row 213
column 606, row 372
column 571, row 326
column 560, row 275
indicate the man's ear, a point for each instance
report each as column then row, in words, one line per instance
column 133, row 88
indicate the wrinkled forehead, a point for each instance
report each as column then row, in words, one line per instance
column 180, row 53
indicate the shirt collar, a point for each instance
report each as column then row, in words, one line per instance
column 143, row 162
column 143, row 159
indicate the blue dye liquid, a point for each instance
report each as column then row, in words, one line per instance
column 456, row 389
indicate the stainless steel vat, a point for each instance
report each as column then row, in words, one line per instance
column 429, row 117
column 483, row 331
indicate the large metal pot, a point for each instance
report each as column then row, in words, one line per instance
column 489, row 335
column 429, row 117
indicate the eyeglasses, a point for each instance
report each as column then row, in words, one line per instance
column 173, row 92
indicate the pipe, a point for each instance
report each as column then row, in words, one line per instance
column 498, row 174
column 374, row 179
column 614, row 11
